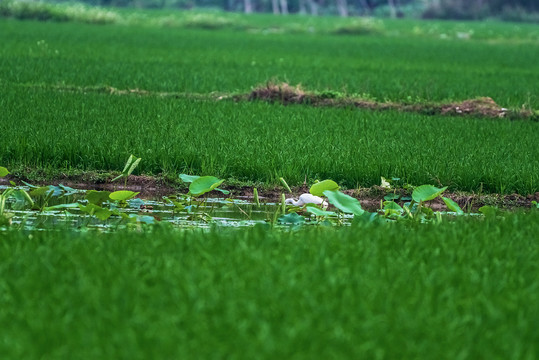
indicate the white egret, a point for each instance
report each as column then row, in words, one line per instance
column 305, row 199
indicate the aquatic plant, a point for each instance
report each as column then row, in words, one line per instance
column 123, row 206
column 130, row 165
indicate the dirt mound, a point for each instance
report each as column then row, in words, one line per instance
column 286, row 94
column 483, row 106
column 283, row 93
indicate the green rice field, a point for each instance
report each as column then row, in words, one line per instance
column 415, row 274
column 261, row 142
column 202, row 61
column 39, row 59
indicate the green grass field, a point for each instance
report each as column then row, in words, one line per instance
column 199, row 61
column 458, row 290
column 257, row 142
column 66, row 132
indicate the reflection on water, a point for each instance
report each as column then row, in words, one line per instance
column 195, row 214
column 180, row 212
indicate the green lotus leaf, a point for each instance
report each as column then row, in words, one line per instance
column 123, row 195
column 426, row 193
column 319, row 188
column 344, row 202
column 204, row 184
column 453, row 206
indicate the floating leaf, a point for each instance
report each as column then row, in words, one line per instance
column 144, row 219
column 344, row 202
column 3, row 171
column 21, row 197
column 99, row 212
column 204, row 184
column 292, row 218
column 390, row 197
column 123, row 195
column 61, row 207
column 453, row 206
column 319, row 212
column 68, row 190
column 135, row 203
column 97, row 197
column 40, row 191
column 426, row 193
column 56, row 190
column 319, row 188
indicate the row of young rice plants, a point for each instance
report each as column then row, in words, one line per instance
column 399, row 68
column 255, row 141
column 464, row 289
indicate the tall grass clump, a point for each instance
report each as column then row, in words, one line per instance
column 458, row 290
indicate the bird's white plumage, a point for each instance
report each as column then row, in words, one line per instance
column 305, row 199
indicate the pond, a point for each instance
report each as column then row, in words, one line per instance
column 48, row 207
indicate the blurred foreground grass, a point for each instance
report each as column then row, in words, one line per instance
column 464, row 289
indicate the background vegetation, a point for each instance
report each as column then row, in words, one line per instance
column 514, row 10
